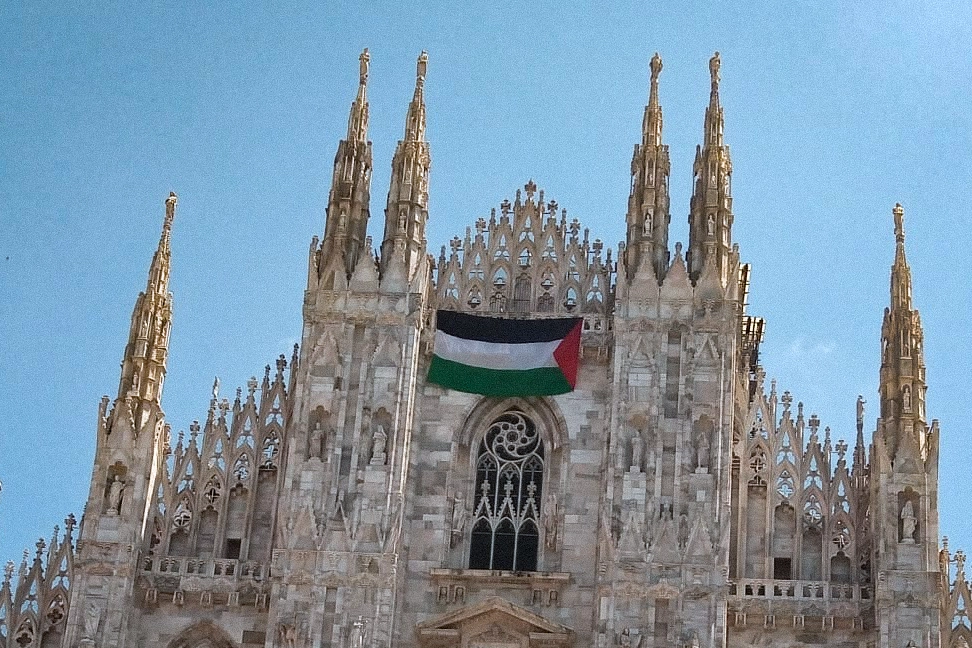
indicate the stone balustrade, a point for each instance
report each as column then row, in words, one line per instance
column 754, row 588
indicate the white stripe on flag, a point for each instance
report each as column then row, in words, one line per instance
column 495, row 355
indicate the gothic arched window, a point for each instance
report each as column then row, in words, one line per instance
column 509, row 484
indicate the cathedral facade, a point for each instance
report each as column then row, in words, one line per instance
column 672, row 498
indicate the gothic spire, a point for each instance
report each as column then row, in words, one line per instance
column 143, row 367
column 902, row 340
column 406, row 213
column 710, row 217
column 358, row 119
column 348, row 208
column 648, row 203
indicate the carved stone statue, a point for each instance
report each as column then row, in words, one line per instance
column 378, row 444
column 92, row 617
column 551, row 516
column 906, row 398
column 288, row 635
column 363, row 64
column 909, row 523
column 459, row 516
column 316, row 441
column 683, row 531
column 637, row 451
column 115, row 491
column 702, row 445
column 357, row 637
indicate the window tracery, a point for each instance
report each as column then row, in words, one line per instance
column 509, row 492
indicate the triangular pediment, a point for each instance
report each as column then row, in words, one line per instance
column 494, row 621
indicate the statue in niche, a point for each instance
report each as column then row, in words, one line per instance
column 710, row 225
column 551, row 515
column 459, row 517
column 906, row 398
column 288, row 634
column 649, row 223
column 115, row 491
column 909, row 523
column 703, row 430
column 357, row 637
column 683, row 531
column 637, row 451
column 378, row 443
column 314, row 450
column 630, row 638
column 92, row 617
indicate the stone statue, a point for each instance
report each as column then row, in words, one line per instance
column 378, row 444
column 906, row 398
column 363, row 64
column 288, row 634
column 551, row 516
column 683, row 530
column 92, row 616
column 459, row 516
column 860, row 411
column 714, row 64
column 316, row 441
column 357, row 637
column 115, row 491
column 710, row 225
column 909, row 523
column 637, row 451
column 702, row 445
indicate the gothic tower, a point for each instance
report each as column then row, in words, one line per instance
column 679, row 374
column 904, row 475
column 131, row 442
column 342, row 503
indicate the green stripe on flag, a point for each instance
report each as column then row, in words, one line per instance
column 543, row 381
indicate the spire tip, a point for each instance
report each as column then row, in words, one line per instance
column 714, row 64
column 421, row 67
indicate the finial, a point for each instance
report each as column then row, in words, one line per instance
column 714, row 64
column 420, row 68
column 170, row 205
column 364, row 63
column 898, row 212
column 215, row 387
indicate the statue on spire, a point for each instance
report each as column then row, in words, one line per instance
column 420, row 68
column 656, row 67
column 364, row 63
column 898, row 222
column 714, row 64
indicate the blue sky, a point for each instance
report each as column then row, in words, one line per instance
column 834, row 111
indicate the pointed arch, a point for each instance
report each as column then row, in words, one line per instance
column 202, row 635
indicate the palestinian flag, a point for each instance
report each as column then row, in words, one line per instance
column 505, row 357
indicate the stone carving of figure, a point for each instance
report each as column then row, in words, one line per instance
column 316, row 441
column 92, row 616
column 702, row 446
column 363, row 62
column 550, row 519
column 649, row 223
column 357, row 633
column 860, row 411
column 378, row 444
column 906, row 398
column 637, row 451
column 115, row 491
column 459, row 516
column 288, row 634
column 683, row 530
column 710, row 225
column 909, row 523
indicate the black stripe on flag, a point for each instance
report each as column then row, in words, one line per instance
column 497, row 329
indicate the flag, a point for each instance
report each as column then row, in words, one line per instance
column 505, row 357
